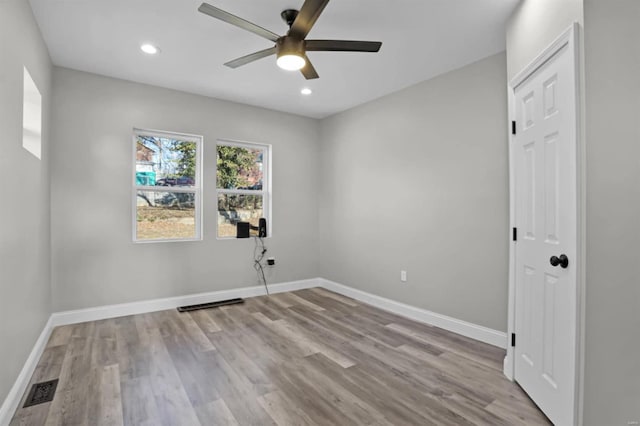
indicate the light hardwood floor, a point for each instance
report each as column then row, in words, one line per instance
column 309, row 357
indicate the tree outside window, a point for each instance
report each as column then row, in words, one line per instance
column 242, row 173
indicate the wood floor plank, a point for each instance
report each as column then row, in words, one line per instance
column 281, row 300
column 144, row 324
column 310, row 357
column 103, row 344
column 316, row 403
column 244, row 363
column 216, row 413
column 106, row 408
column 238, row 393
column 175, row 323
column 352, row 408
column 421, row 393
column 310, row 345
column 375, row 392
column 518, row 414
column 138, row 403
column 198, row 384
column 298, row 340
column 297, row 300
column 329, row 322
column 205, row 322
column 60, row 336
column 270, row 309
column 325, row 332
column 133, row 356
column 335, row 296
column 327, row 303
column 433, row 380
column 283, row 411
column 170, row 396
column 436, row 338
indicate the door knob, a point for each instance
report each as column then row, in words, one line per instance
column 561, row 260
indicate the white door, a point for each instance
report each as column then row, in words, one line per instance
column 544, row 155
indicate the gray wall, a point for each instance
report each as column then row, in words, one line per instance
column 612, row 364
column 418, row 180
column 94, row 260
column 534, row 25
column 25, row 291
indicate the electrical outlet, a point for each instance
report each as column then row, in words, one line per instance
column 403, row 276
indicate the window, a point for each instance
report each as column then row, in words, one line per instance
column 31, row 116
column 167, row 186
column 242, row 185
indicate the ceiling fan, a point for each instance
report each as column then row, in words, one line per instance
column 290, row 49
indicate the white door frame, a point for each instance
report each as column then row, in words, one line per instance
column 570, row 39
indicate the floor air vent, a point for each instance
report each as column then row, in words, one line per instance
column 209, row 305
column 41, row 392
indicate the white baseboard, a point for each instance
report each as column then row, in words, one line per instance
column 133, row 308
column 11, row 402
column 507, row 365
column 474, row 331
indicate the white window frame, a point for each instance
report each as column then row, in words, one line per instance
column 266, row 182
column 195, row 189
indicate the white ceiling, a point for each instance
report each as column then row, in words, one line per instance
column 421, row 39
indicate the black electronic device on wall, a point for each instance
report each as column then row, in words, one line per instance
column 262, row 228
column 242, row 229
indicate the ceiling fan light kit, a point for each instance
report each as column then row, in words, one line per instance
column 290, row 53
column 290, row 49
column 291, row 62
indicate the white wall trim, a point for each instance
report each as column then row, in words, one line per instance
column 11, row 402
column 133, row 308
column 474, row 331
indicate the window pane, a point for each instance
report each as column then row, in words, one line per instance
column 31, row 116
column 234, row 208
column 165, row 215
column 165, row 161
column 239, row 168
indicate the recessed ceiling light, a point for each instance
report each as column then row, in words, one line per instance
column 149, row 49
column 306, row 91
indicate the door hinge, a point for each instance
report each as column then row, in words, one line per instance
column 513, row 127
column 513, row 340
column 515, row 234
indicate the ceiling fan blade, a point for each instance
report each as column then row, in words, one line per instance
column 214, row 12
column 308, row 15
column 343, row 46
column 250, row 58
column 308, row 71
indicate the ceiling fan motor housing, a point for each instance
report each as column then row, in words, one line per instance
column 290, row 46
